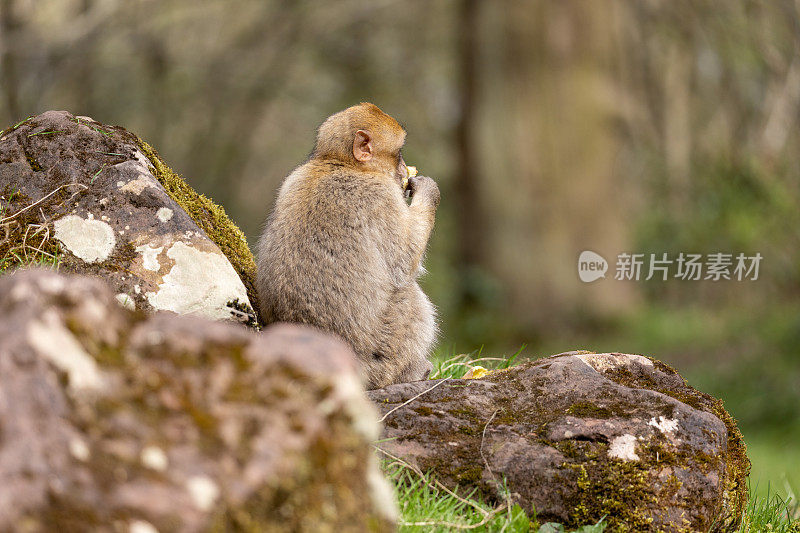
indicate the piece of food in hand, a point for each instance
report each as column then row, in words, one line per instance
column 412, row 171
column 476, row 372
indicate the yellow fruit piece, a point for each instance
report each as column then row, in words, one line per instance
column 477, row 372
column 411, row 171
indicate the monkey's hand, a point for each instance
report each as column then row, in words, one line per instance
column 422, row 215
column 424, row 189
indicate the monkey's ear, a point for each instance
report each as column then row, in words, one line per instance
column 362, row 146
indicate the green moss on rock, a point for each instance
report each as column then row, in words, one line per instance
column 588, row 410
column 737, row 465
column 620, row 490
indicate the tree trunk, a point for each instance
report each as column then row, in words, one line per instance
column 469, row 215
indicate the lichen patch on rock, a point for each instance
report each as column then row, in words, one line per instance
column 150, row 256
column 141, row 526
column 79, row 449
column 204, row 492
column 609, row 361
column 154, row 458
column 88, row 239
column 198, row 282
column 56, row 344
column 126, row 301
column 664, row 425
column 164, row 214
column 623, row 447
column 139, row 184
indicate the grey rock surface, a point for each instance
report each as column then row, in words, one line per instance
column 114, row 420
column 578, row 437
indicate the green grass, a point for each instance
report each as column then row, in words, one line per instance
column 427, row 506
column 15, row 259
column 776, row 463
column 46, row 132
column 24, row 244
column 448, row 364
column 771, row 513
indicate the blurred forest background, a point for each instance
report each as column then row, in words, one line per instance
column 652, row 126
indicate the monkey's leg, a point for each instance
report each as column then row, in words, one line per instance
column 408, row 333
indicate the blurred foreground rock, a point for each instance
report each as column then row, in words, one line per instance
column 111, row 420
column 104, row 202
column 579, row 437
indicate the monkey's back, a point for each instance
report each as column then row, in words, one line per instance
column 324, row 255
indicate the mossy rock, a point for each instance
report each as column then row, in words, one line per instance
column 579, row 437
column 112, row 208
column 127, row 421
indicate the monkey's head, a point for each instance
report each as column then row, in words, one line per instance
column 365, row 137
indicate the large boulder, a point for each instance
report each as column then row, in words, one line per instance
column 578, row 437
column 103, row 201
column 115, row 420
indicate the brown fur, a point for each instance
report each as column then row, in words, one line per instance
column 342, row 248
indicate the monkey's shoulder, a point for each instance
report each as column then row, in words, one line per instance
column 337, row 185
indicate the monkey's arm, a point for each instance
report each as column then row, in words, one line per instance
column 422, row 214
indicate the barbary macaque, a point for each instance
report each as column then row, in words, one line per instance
column 342, row 248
